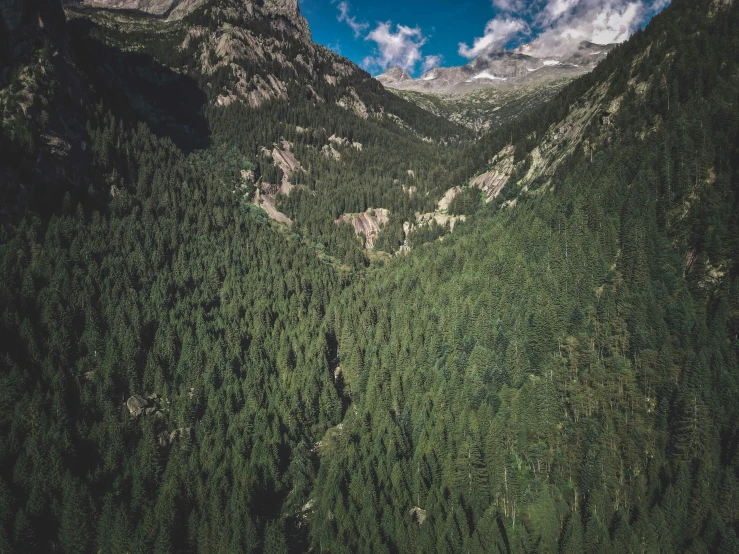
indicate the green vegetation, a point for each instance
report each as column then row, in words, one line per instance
column 558, row 375
column 487, row 109
column 561, row 376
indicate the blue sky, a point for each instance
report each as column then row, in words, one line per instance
column 421, row 34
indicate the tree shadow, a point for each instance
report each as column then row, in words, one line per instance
column 138, row 85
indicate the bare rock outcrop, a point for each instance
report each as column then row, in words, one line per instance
column 446, row 200
column 335, row 142
column 267, row 203
column 329, row 151
column 440, row 219
column 368, row 223
column 285, row 159
column 418, row 515
column 136, row 404
column 492, row 182
column 165, row 438
column 286, row 13
column 353, row 103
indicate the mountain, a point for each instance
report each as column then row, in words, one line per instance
column 178, row 9
column 394, row 76
column 557, row 374
column 225, row 76
column 499, row 69
column 485, row 109
column 496, row 87
column 251, row 301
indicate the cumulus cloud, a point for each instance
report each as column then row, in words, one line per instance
column 555, row 9
column 566, row 23
column 430, row 62
column 560, row 25
column 357, row 27
column 402, row 47
column 509, row 5
column 498, row 32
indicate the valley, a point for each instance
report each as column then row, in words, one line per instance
column 255, row 300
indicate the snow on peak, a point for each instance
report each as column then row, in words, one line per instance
column 552, row 62
column 430, row 76
column 486, row 75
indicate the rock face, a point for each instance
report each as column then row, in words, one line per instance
column 267, row 203
column 418, row 515
column 354, row 103
column 493, row 181
column 153, row 7
column 394, row 75
column 177, row 9
column 368, row 223
column 136, row 405
column 507, row 69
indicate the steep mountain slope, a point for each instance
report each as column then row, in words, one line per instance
column 158, row 315
column 394, row 76
column 226, row 74
column 165, row 372
column 560, row 374
column 43, row 140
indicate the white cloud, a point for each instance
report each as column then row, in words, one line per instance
column 509, row 5
column 402, row 47
column 569, row 22
column 498, row 32
column 560, row 25
column 357, row 27
column 555, row 9
column 430, row 62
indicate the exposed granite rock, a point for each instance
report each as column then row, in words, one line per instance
column 493, row 181
column 394, row 75
column 353, row 103
column 286, row 13
column 368, row 223
column 136, row 405
column 418, row 515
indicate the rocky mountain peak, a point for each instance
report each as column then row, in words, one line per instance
column 283, row 7
column 499, row 69
column 395, row 74
column 287, row 11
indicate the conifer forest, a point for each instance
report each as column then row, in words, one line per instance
column 252, row 300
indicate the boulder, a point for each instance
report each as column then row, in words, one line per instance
column 136, row 404
column 418, row 515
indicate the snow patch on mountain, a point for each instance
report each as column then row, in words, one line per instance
column 486, row 75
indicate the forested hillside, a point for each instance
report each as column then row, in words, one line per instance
column 224, row 77
column 561, row 373
column 180, row 373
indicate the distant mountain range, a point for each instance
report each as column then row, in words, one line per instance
column 499, row 70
